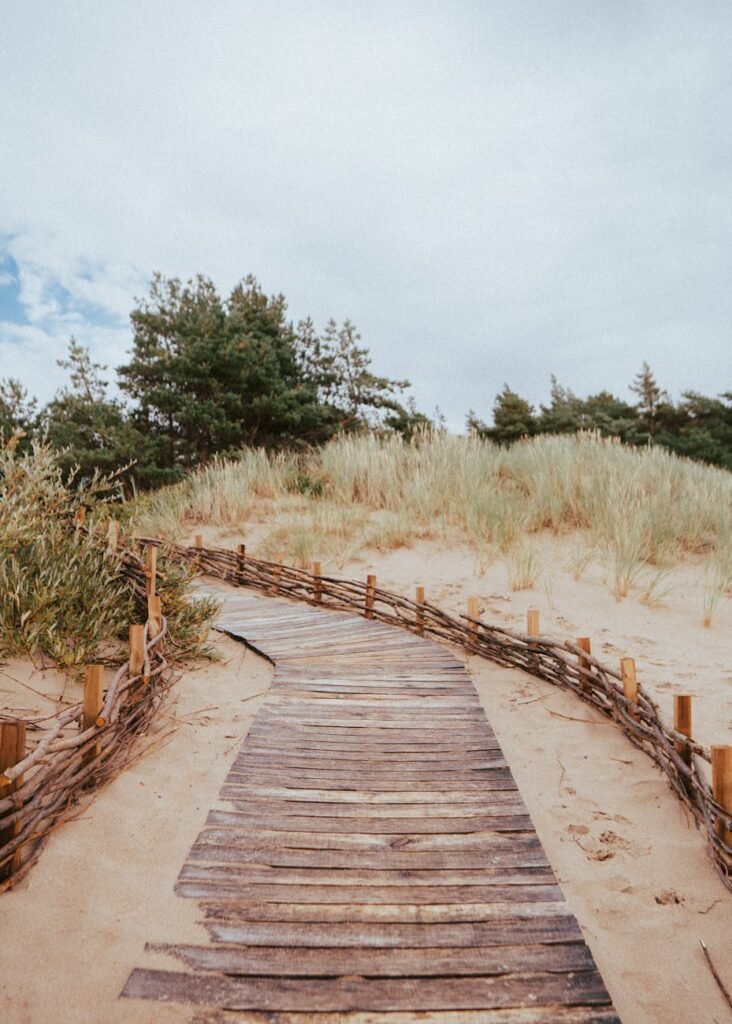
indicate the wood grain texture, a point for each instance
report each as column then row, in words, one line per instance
column 375, row 860
column 385, row 994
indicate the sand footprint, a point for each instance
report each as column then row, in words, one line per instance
column 606, row 845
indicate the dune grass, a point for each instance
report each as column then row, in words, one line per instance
column 639, row 511
column 63, row 595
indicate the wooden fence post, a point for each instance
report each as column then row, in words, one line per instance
column 533, row 628
column 583, row 642
column 137, row 650
column 722, row 787
column 370, row 597
column 151, row 568
column 473, row 613
column 317, row 585
column 241, row 554
column 630, row 682
column 419, row 615
column 198, row 545
column 154, row 616
column 93, row 687
column 682, row 724
column 12, row 750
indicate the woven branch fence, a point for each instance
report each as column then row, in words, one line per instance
column 81, row 747
column 74, row 753
column 684, row 762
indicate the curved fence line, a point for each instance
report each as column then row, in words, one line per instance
column 37, row 792
column 683, row 762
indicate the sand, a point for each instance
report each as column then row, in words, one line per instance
column 75, row 927
column 628, row 856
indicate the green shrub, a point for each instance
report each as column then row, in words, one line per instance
column 63, row 595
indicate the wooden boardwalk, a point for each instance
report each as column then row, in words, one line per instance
column 376, row 856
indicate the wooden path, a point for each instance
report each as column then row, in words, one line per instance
column 377, row 855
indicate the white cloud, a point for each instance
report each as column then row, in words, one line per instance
column 492, row 192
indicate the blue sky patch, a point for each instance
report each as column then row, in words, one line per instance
column 10, row 305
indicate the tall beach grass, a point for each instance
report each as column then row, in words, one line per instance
column 639, row 510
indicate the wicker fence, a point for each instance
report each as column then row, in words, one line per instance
column 616, row 694
column 90, row 742
column 47, row 763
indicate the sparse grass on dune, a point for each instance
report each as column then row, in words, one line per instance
column 312, row 530
column 641, row 511
column 221, row 493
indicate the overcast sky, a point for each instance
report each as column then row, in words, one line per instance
column 493, row 191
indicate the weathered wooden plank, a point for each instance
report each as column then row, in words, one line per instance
column 398, row 689
column 330, row 721
column 498, row 778
column 473, row 790
column 340, row 796
column 523, row 887
column 395, row 705
column 291, row 675
column 392, row 826
column 376, row 913
column 268, row 755
column 479, row 842
column 360, row 783
column 251, row 759
column 381, row 963
column 330, row 712
column 251, row 874
column 517, row 1015
column 365, row 748
column 465, row 791
column 499, row 932
column 357, row 756
column 372, row 768
column 376, row 861
column 348, row 993
column 488, row 786
column 338, row 697
column 412, row 672
column 366, row 729
column 509, row 803
column 351, row 756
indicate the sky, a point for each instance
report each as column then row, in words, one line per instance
column 493, row 191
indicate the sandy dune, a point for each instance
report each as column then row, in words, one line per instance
column 633, row 866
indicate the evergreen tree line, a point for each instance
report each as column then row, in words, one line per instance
column 697, row 427
column 206, row 376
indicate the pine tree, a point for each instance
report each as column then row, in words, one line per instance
column 513, row 417
column 209, row 376
column 340, row 369
column 18, row 414
column 91, row 430
column 565, row 415
column 650, row 399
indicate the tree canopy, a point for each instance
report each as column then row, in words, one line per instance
column 697, row 427
column 206, row 376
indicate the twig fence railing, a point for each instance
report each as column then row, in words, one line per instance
column 87, row 743
column 616, row 694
